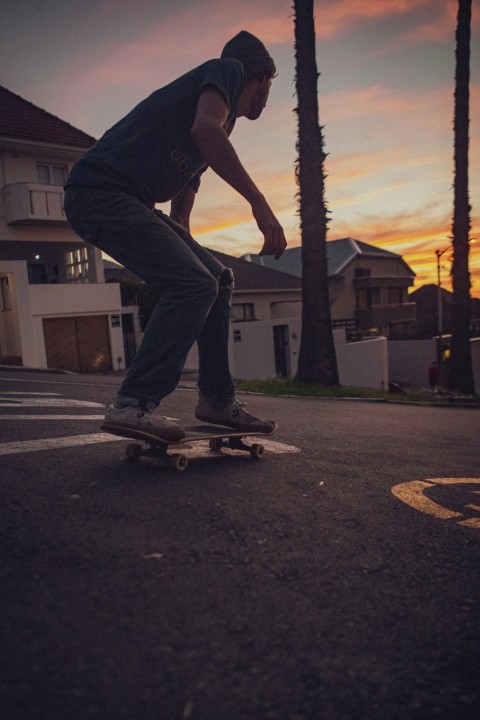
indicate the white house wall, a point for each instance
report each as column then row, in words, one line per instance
column 16, row 329
column 22, row 167
column 363, row 363
column 74, row 300
column 266, row 303
column 288, row 309
column 253, row 350
column 360, row 364
column 21, row 328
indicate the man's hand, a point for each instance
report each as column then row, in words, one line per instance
column 271, row 229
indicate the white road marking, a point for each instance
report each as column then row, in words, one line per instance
column 197, row 449
column 18, row 392
column 51, row 417
column 115, row 383
column 49, row 402
column 24, row 446
column 200, row 448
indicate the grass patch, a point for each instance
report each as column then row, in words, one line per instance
column 290, row 386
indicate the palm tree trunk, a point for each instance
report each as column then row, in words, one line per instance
column 461, row 372
column 317, row 360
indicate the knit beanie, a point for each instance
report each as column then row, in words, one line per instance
column 251, row 52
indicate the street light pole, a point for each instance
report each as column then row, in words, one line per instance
column 439, row 254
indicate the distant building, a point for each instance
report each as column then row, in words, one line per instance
column 426, row 299
column 368, row 286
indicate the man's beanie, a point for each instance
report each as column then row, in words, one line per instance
column 250, row 51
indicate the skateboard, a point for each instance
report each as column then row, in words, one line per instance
column 157, row 449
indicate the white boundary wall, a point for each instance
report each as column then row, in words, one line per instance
column 252, row 354
column 409, row 360
column 363, row 363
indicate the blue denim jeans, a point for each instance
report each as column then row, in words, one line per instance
column 195, row 292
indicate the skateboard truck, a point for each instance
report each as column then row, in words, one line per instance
column 157, row 452
column 178, row 461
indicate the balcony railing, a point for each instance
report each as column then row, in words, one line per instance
column 383, row 316
column 33, row 204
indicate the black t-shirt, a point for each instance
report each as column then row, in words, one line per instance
column 150, row 153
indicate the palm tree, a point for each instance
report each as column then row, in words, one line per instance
column 461, row 372
column 317, row 361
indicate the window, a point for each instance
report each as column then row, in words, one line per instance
column 394, row 296
column 362, row 272
column 243, row 311
column 36, row 273
column 51, row 174
column 77, row 265
column 368, row 297
column 5, row 300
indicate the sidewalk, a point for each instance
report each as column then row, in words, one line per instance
column 188, row 379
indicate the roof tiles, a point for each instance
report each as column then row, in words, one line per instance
column 250, row 276
column 21, row 120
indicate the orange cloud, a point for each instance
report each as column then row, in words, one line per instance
column 416, row 239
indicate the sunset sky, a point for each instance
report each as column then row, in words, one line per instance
column 385, row 100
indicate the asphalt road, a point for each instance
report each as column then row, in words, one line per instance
column 337, row 578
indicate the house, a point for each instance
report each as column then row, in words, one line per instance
column 427, row 298
column 55, row 308
column 261, row 296
column 266, row 325
column 262, row 293
column 368, row 286
column 259, row 293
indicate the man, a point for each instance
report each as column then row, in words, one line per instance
column 433, row 376
column 155, row 154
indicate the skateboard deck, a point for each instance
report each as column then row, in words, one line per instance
column 157, row 448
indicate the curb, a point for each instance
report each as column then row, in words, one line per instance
column 187, row 384
column 382, row 401
column 23, row 368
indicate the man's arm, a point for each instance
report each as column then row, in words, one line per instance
column 181, row 207
column 212, row 141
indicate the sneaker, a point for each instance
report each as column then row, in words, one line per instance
column 133, row 419
column 235, row 416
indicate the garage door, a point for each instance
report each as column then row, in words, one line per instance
column 79, row 344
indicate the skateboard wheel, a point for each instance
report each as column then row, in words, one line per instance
column 133, row 450
column 215, row 444
column 178, row 461
column 256, row 451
